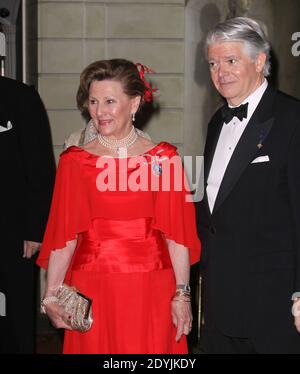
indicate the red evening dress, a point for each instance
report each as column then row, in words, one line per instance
column 121, row 260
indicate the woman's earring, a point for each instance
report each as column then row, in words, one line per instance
column 133, row 117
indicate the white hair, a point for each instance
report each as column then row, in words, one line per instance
column 247, row 31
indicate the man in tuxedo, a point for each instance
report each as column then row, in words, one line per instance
column 27, row 172
column 249, row 218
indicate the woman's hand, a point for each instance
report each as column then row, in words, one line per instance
column 182, row 317
column 59, row 262
column 58, row 317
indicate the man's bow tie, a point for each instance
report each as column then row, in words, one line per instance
column 240, row 112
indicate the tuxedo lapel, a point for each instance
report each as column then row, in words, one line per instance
column 255, row 133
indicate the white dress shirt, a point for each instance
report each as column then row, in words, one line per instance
column 228, row 139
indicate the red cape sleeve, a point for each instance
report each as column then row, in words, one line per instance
column 175, row 212
column 68, row 214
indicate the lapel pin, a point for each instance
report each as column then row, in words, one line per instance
column 261, row 139
column 157, row 169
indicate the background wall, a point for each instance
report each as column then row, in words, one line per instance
column 168, row 36
column 201, row 100
column 74, row 33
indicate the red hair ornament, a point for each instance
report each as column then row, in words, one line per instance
column 148, row 93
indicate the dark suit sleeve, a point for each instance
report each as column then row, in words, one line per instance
column 294, row 187
column 38, row 164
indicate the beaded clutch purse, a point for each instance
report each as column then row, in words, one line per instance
column 77, row 305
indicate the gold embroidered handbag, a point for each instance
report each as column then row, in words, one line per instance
column 77, row 305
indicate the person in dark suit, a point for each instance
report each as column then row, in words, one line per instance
column 249, row 218
column 27, row 172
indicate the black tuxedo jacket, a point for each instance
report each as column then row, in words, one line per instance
column 27, row 167
column 251, row 242
column 27, row 172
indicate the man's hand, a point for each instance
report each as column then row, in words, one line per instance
column 30, row 248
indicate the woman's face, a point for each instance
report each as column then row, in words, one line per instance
column 111, row 109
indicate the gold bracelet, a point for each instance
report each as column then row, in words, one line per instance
column 181, row 295
column 181, row 300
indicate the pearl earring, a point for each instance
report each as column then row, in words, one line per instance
column 133, row 117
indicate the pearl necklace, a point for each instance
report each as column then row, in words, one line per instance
column 119, row 145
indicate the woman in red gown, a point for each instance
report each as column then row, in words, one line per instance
column 121, row 227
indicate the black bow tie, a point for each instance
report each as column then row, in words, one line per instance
column 240, row 112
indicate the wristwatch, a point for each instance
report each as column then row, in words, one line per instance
column 184, row 287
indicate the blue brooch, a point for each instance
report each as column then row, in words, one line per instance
column 157, row 169
column 262, row 136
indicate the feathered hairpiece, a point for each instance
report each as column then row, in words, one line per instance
column 148, row 93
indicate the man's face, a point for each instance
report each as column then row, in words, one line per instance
column 233, row 73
